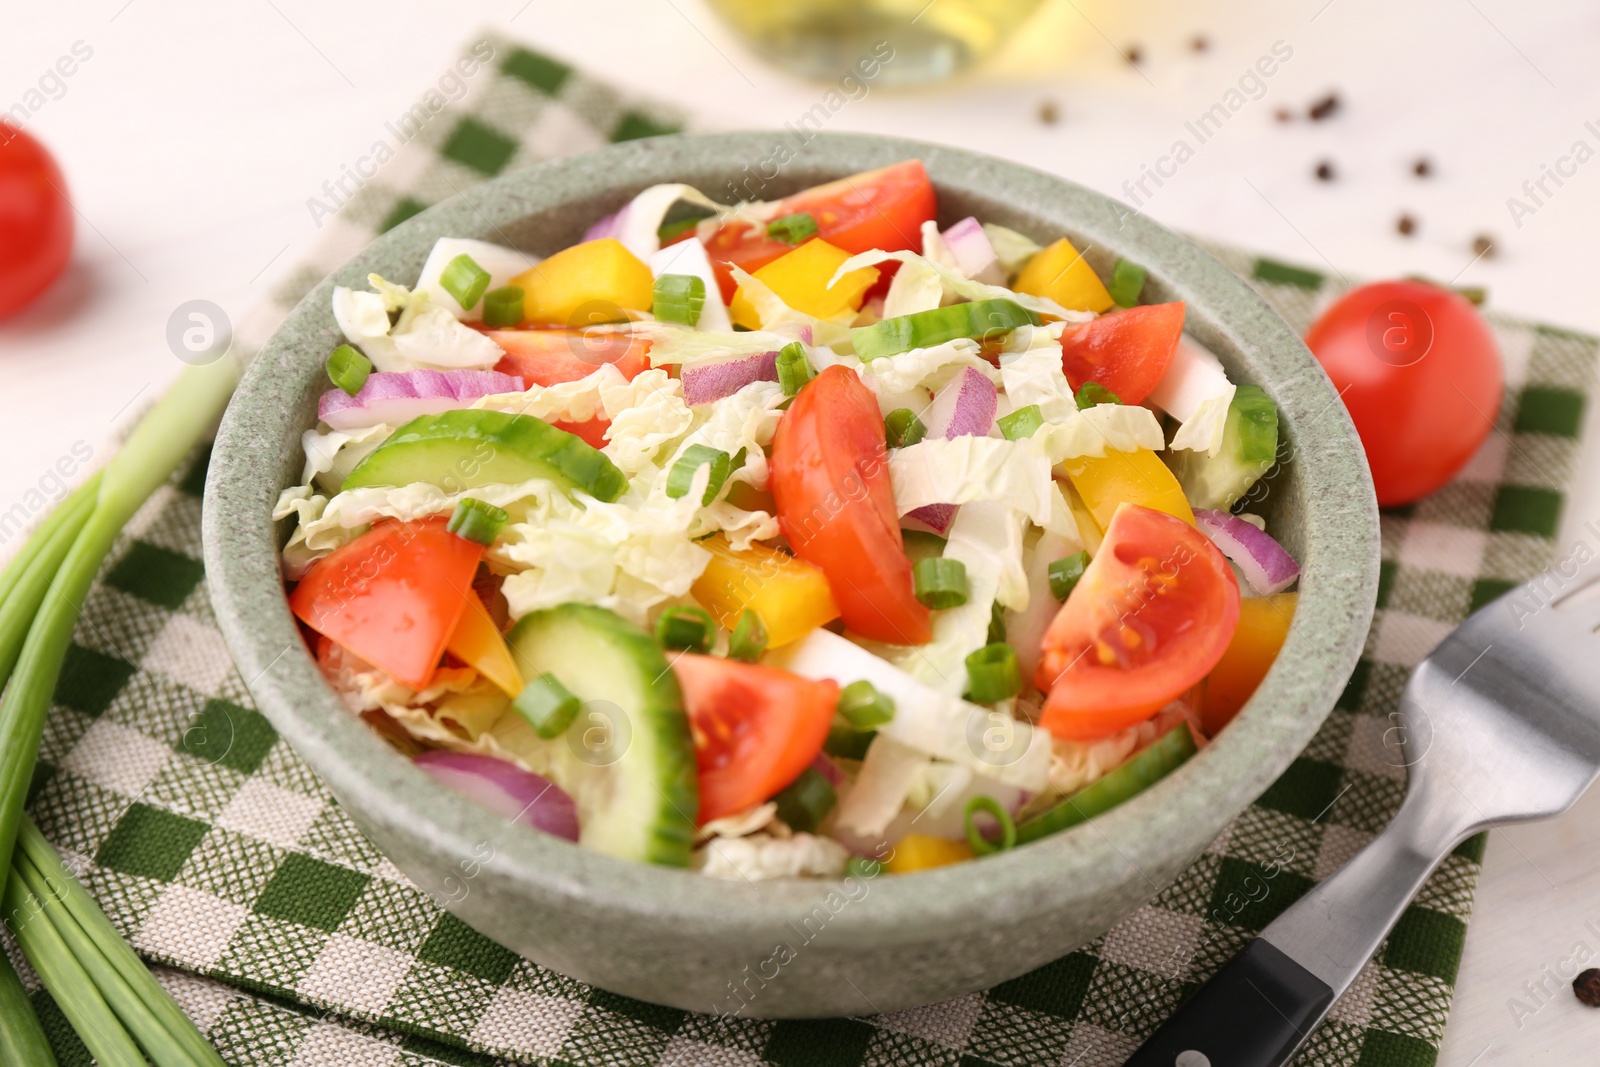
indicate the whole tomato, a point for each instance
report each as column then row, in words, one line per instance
column 1420, row 374
column 35, row 220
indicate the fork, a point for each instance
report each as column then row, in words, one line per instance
column 1499, row 724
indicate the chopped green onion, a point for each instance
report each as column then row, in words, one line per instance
column 864, row 707
column 1022, row 423
column 793, row 229
column 940, row 583
column 547, row 705
column 1065, row 572
column 686, row 628
column 668, row 230
column 1127, row 282
column 477, row 521
column 1092, row 393
column 738, row 459
column 982, row 846
column 679, row 298
column 997, row 623
column 348, row 369
column 464, row 280
column 806, row 802
column 794, row 369
column 993, row 674
column 749, row 638
column 846, row 742
column 862, row 867
column 503, row 306
column 681, row 478
column 902, row 428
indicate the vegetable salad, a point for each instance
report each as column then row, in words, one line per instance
column 789, row 537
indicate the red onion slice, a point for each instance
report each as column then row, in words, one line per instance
column 973, row 252
column 605, row 227
column 1266, row 567
column 505, row 789
column 965, row 407
column 705, row 382
column 394, row 397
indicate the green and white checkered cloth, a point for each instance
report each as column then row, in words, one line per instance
column 293, row 941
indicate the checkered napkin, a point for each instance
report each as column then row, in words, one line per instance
column 293, row 941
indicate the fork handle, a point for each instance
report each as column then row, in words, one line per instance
column 1264, row 1003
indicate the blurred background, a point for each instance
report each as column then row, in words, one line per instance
column 1387, row 139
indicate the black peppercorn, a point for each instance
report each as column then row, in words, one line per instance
column 1325, row 107
column 1325, row 171
column 1422, row 168
column 1483, row 245
column 1586, row 987
column 1406, row 225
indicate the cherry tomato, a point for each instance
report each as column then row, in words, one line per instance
column 830, row 478
column 1420, row 374
column 1150, row 617
column 591, row 432
column 393, row 596
column 755, row 728
column 1126, row 351
column 35, row 220
column 882, row 208
column 549, row 357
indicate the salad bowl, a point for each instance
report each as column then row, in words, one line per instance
column 798, row 948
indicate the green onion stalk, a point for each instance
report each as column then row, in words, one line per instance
column 107, row 995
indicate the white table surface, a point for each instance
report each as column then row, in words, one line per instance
column 194, row 134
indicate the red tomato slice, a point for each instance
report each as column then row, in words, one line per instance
column 591, row 432
column 755, row 728
column 830, row 478
column 1126, row 351
column 1150, row 617
column 549, row 357
column 35, row 219
column 882, row 208
column 392, row 596
column 1419, row 371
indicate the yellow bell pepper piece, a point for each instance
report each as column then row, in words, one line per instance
column 1061, row 274
column 602, row 273
column 1088, row 531
column 1263, row 626
column 790, row 596
column 800, row 279
column 1126, row 478
column 920, row 852
column 476, row 642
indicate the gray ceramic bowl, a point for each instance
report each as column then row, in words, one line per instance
column 677, row 938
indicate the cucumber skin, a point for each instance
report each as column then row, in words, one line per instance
column 1249, row 449
column 660, row 728
column 1168, row 752
column 460, row 449
column 925, row 329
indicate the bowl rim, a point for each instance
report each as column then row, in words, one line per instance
column 1186, row 810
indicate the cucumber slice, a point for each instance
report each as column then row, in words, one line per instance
column 1170, row 750
column 921, row 545
column 628, row 760
column 923, row 329
column 466, row 448
column 1249, row 448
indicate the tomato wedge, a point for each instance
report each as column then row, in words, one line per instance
column 393, row 596
column 882, row 208
column 549, row 357
column 830, row 479
column 1152, row 614
column 1126, row 351
column 755, row 728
